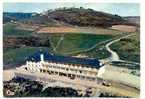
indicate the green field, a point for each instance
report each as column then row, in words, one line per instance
column 9, row 29
column 73, row 43
column 128, row 48
column 19, row 55
column 99, row 52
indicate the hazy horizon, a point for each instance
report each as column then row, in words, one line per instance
column 122, row 9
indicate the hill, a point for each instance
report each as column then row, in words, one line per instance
column 133, row 19
column 18, row 15
column 71, row 16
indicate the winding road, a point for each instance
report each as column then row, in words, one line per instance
column 114, row 56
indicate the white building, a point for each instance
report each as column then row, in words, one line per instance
column 63, row 66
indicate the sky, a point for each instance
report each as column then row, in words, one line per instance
column 122, row 9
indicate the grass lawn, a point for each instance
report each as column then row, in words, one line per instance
column 77, row 42
column 9, row 29
column 99, row 52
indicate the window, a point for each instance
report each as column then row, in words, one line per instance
column 44, row 70
column 54, row 66
column 55, row 72
column 91, row 78
column 72, row 69
column 50, row 66
column 62, row 68
column 41, row 70
column 26, row 68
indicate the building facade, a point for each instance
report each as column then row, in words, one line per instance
column 64, row 66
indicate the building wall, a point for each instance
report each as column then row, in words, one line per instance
column 101, row 71
column 48, row 67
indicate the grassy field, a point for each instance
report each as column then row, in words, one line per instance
column 73, row 43
column 19, row 55
column 128, row 48
column 10, row 30
column 99, row 52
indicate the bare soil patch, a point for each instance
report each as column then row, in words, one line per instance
column 122, row 76
column 27, row 27
column 8, row 74
column 57, row 30
column 124, row 28
column 87, row 30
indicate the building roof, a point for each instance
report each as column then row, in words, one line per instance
column 93, row 63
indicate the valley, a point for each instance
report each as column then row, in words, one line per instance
column 112, row 39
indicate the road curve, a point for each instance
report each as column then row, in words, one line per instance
column 114, row 56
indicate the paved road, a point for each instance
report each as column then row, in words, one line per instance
column 114, row 56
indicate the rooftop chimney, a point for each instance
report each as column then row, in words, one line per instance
column 42, row 57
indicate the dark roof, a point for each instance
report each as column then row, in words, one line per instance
column 93, row 63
